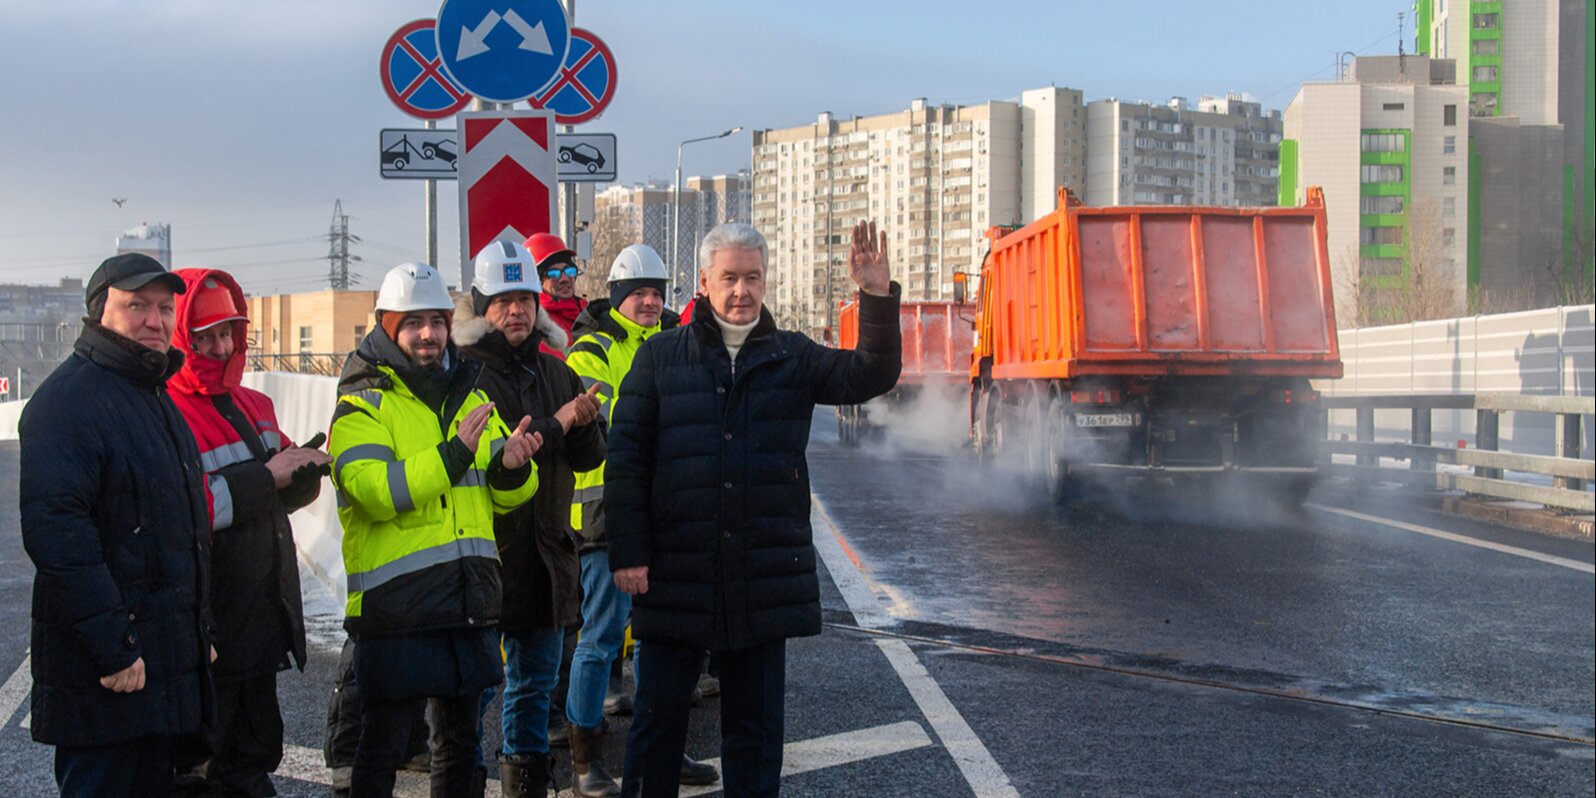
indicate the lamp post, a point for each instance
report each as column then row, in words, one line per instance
column 676, row 201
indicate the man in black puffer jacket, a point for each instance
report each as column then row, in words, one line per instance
column 115, row 517
column 707, row 502
column 500, row 324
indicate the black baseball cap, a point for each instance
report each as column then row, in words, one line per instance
column 130, row 272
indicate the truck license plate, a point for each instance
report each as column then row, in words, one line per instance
column 1106, row 420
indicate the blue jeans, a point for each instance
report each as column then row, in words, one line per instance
column 605, row 608
column 532, row 667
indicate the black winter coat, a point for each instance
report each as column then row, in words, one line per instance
column 542, row 572
column 707, row 483
column 115, row 520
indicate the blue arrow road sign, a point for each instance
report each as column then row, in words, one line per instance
column 503, row 51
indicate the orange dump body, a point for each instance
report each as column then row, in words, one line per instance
column 1158, row 290
column 938, row 338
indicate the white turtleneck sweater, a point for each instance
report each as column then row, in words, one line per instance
column 734, row 335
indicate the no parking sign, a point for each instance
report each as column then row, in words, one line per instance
column 586, row 82
column 412, row 74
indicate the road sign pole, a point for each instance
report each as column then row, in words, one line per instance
column 569, row 189
column 431, row 191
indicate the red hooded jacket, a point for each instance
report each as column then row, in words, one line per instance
column 255, row 570
column 564, row 313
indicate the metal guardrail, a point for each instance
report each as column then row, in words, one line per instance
column 326, row 364
column 1570, row 471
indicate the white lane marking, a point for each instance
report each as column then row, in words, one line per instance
column 15, row 691
column 984, row 774
column 838, row 749
column 866, row 603
column 1464, row 539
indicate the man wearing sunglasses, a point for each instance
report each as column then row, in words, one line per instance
column 556, row 265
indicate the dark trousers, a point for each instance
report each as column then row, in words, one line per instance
column 343, row 716
column 385, row 733
column 135, row 769
column 248, row 741
column 752, row 712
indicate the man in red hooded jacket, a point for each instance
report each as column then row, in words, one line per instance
column 557, row 269
column 255, row 476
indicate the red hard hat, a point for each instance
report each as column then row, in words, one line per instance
column 548, row 248
column 212, row 305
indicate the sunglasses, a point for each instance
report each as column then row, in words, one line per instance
column 555, row 274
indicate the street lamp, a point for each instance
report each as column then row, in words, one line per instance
column 676, row 200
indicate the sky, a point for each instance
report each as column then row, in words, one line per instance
column 240, row 123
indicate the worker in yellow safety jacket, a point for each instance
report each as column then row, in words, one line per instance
column 422, row 463
column 608, row 335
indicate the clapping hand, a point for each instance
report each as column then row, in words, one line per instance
column 471, row 427
column 521, row 445
column 867, row 259
column 580, row 411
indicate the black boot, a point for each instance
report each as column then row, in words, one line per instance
column 524, row 775
column 698, row 773
column 588, row 778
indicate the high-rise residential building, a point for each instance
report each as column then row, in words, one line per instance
column 1225, row 151
column 625, row 215
column 1528, row 68
column 938, row 177
column 935, row 177
column 1390, row 149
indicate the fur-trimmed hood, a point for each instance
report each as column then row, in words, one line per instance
column 470, row 329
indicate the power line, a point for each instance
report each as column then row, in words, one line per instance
column 338, row 257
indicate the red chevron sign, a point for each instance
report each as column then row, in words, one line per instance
column 508, row 177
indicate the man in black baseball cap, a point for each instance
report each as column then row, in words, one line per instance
column 127, row 272
column 116, row 518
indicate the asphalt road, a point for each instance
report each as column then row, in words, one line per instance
column 980, row 641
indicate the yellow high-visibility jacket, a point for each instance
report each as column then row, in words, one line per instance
column 602, row 355
column 419, row 551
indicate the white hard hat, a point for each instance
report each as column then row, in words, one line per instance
column 413, row 286
column 637, row 262
column 505, row 266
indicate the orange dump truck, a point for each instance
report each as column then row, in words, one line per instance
column 1158, row 341
column 938, row 338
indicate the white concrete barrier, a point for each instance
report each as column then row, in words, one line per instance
column 304, row 407
column 10, row 416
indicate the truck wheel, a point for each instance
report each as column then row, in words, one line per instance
column 988, row 428
column 1061, row 486
column 1031, row 425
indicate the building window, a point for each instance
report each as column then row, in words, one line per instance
column 1449, row 145
column 1449, row 206
column 1449, row 237
column 1381, row 205
column 1449, row 175
column 1382, row 173
column 1482, row 104
column 1380, row 267
column 1487, row 46
column 1384, row 142
column 1393, row 106
column 360, row 335
column 1486, row 21
column 1449, row 115
column 1370, row 236
column 1483, row 74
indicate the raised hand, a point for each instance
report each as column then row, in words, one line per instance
column 867, row 259
column 471, row 427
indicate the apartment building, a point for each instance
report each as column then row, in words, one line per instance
column 1527, row 65
column 1390, row 149
column 625, row 215
column 934, row 176
column 1225, row 151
